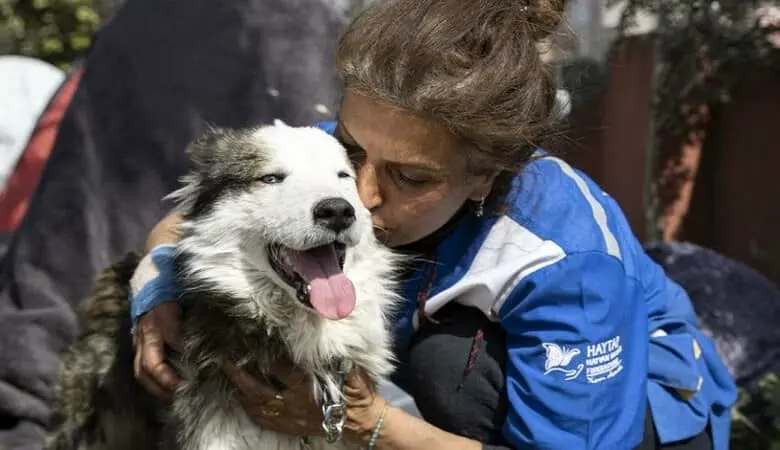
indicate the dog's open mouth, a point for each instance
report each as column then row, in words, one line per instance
column 317, row 276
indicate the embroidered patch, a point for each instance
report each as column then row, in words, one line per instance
column 603, row 360
column 558, row 359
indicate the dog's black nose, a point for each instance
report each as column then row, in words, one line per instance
column 335, row 214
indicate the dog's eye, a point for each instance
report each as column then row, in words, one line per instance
column 344, row 174
column 272, row 178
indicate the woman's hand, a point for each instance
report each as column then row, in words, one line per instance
column 156, row 329
column 160, row 326
column 294, row 411
column 165, row 232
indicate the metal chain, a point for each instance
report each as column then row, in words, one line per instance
column 334, row 411
column 334, row 416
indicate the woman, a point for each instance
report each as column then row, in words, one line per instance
column 534, row 319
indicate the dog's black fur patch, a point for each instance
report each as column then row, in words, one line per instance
column 224, row 162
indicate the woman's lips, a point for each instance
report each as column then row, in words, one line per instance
column 382, row 234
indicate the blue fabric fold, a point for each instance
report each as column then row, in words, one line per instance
column 688, row 388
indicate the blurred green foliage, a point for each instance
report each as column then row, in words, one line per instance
column 756, row 416
column 56, row 31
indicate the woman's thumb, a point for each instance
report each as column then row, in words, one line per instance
column 170, row 318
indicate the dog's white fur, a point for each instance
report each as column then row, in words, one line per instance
column 227, row 249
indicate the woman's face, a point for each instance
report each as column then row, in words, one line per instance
column 411, row 172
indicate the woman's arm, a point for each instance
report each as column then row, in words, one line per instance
column 165, row 232
column 157, row 315
column 402, row 431
column 577, row 344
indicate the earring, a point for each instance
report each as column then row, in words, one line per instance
column 480, row 211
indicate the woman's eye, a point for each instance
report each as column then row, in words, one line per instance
column 411, row 180
column 272, row 178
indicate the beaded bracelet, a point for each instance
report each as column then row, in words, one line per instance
column 375, row 434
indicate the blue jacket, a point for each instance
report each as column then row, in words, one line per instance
column 595, row 329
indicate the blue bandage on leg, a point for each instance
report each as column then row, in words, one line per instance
column 153, row 282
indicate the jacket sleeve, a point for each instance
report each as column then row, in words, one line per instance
column 577, row 345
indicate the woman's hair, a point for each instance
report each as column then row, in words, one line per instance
column 472, row 65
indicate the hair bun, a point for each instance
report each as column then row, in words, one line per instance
column 544, row 16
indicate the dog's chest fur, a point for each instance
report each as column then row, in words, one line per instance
column 100, row 406
column 254, row 333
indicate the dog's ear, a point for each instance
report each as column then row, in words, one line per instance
column 203, row 151
column 280, row 123
column 205, row 155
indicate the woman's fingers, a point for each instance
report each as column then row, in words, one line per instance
column 289, row 375
column 153, row 361
column 149, row 363
column 148, row 382
column 168, row 315
column 289, row 411
column 252, row 389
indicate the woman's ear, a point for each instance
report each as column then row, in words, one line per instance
column 483, row 184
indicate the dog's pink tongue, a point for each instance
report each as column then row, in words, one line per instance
column 331, row 293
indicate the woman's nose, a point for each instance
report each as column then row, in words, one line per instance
column 368, row 186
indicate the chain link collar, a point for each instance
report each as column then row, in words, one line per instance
column 334, row 410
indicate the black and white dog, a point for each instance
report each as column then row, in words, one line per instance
column 277, row 259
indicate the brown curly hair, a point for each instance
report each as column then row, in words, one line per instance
column 472, row 65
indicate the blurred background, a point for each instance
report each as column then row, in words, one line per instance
column 672, row 106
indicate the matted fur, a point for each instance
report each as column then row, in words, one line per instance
column 236, row 308
column 97, row 403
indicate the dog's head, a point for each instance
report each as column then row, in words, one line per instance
column 275, row 202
